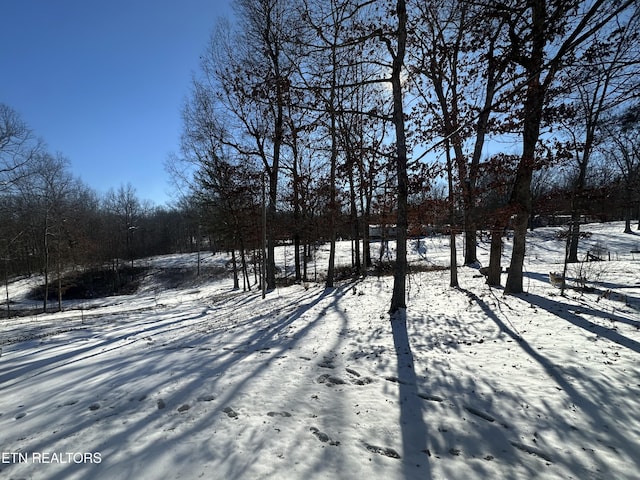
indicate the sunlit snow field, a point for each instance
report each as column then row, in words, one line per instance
column 201, row 381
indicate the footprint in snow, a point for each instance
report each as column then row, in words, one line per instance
column 359, row 379
column 330, row 380
column 363, row 381
column 206, row 398
column 327, row 363
column 231, row 413
column 279, row 414
column 386, row 451
column 160, row 404
column 395, row 379
column 431, row 398
column 94, row 406
column 323, row 437
column 184, row 408
column 532, row 451
column 20, row 415
column 478, row 413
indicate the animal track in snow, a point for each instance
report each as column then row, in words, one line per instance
column 359, row 380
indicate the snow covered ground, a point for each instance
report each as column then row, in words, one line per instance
column 200, row 381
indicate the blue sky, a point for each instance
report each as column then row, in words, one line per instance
column 103, row 81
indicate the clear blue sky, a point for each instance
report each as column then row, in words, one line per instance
column 103, row 81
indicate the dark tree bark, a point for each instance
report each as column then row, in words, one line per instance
column 398, row 299
column 529, row 42
column 495, row 256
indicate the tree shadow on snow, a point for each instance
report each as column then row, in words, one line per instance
column 573, row 314
column 148, row 392
column 412, row 425
column 603, row 403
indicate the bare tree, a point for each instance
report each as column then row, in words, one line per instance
column 330, row 61
column 396, row 46
column 43, row 196
column 544, row 37
column 247, row 73
column 606, row 77
column 18, row 147
column 622, row 150
column 458, row 53
column 126, row 209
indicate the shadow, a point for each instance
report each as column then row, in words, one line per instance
column 601, row 402
column 149, row 374
column 412, row 425
column 600, row 289
column 10, row 376
column 541, row 277
column 564, row 311
column 307, row 383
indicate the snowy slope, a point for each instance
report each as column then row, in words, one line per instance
column 205, row 382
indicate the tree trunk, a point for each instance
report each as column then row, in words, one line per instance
column 627, row 219
column 470, row 238
column 296, row 236
column 296, row 254
column 453, row 260
column 495, row 257
column 305, row 258
column 520, row 201
column 453, row 256
column 398, row 299
column 46, row 269
column 59, row 274
column 245, row 272
column 271, row 241
column 236, row 280
column 355, row 227
column 516, row 267
column 574, row 236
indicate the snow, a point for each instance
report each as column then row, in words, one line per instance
column 200, row 381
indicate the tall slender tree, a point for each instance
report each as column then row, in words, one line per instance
column 396, row 47
column 247, row 72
